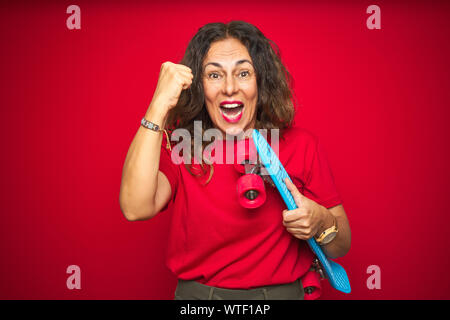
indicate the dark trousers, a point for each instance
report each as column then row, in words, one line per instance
column 193, row 290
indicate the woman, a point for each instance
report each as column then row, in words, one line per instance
column 232, row 79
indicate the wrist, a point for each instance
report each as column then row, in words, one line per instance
column 328, row 220
column 329, row 229
column 156, row 116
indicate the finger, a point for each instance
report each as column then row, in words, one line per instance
column 299, row 223
column 307, row 233
column 300, row 233
column 187, row 85
column 291, row 186
column 294, row 191
column 185, row 73
column 184, row 68
column 292, row 215
column 185, row 81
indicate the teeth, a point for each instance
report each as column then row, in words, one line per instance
column 229, row 106
column 232, row 116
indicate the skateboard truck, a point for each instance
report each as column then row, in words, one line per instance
column 318, row 268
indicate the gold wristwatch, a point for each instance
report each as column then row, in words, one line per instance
column 328, row 235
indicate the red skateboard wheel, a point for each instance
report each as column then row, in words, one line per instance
column 311, row 285
column 251, row 191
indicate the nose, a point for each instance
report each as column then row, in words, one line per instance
column 230, row 86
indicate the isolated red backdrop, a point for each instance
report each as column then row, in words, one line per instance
column 71, row 102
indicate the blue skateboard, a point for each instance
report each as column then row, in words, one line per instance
column 334, row 272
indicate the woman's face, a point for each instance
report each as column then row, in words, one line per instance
column 229, row 83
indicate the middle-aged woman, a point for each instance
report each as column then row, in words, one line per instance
column 231, row 78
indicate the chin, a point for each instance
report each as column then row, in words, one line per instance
column 234, row 131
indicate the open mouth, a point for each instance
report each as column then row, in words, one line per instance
column 232, row 111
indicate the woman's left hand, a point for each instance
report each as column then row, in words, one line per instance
column 308, row 219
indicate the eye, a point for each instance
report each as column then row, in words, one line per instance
column 214, row 75
column 244, row 74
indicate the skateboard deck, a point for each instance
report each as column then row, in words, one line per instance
column 334, row 272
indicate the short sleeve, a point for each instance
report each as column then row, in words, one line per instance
column 320, row 185
column 170, row 170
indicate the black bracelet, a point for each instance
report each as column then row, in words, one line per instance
column 150, row 125
column 154, row 127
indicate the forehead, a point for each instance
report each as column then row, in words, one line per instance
column 227, row 50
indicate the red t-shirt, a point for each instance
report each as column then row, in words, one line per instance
column 217, row 242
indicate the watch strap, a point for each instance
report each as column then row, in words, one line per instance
column 326, row 232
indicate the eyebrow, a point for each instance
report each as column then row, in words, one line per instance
column 220, row 66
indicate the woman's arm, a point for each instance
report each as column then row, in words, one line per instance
column 341, row 244
column 310, row 219
column 144, row 190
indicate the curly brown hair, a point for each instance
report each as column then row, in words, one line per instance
column 275, row 107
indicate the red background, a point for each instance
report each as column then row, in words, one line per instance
column 71, row 102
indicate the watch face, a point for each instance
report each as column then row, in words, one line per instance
column 329, row 237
